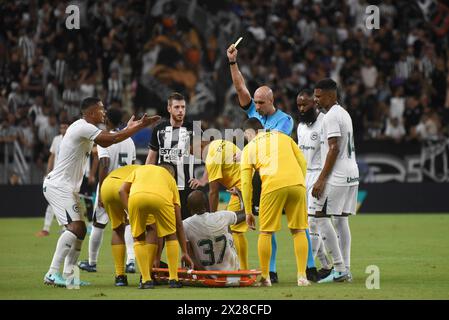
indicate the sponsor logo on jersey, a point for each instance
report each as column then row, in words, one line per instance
column 304, row 147
column 172, row 154
column 352, row 179
column 314, row 136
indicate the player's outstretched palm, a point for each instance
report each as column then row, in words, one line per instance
column 142, row 122
column 148, row 121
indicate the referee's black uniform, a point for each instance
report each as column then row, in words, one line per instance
column 173, row 147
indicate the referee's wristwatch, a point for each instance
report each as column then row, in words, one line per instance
column 232, row 62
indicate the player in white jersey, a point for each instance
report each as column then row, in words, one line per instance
column 61, row 186
column 52, row 160
column 308, row 133
column 208, row 236
column 337, row 185
column 111, row 158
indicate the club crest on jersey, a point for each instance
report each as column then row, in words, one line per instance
column 313, row 136
column 76, row 208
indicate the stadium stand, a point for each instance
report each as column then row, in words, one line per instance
column 393, row 81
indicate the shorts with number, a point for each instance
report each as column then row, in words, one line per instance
column 146, row 208
column 292, row 199
column 311, row 178
column 336, row 200
column 100, row 215
column 234, row 205
column 65, row 203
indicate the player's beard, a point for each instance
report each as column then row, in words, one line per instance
column 307, row 117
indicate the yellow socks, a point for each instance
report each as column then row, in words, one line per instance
column 118, row 252
column 152, row 250
column 141, row 250
column 172, row 249
column 241, row 245
column 301, row 251
column 264, row 250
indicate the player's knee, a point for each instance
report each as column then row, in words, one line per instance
column 295, row 231
column 151, row 237
column 140, row 237
column 78, row 228
column 171, row 237
column 120, row 229
column 99, row 225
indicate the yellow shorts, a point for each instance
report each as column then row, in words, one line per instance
column 234, row 205
column 147, row 208
column 292, row 199
column 111, row 201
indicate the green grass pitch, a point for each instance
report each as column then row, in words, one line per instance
column 411, row 251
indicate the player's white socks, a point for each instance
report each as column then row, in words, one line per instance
column 95, row 239
column 330, row 240
column 72, row 257
column 322, row 256
column 344, row 238
column 65, row 242
column 129, row 245
column 48, row 219
column 314, row 235
column 318, row 248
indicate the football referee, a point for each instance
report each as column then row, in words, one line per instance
column 262, row 108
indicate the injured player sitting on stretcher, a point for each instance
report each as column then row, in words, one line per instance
column 209, row 240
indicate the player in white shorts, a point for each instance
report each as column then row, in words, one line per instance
column 52, row 160
column 208, row 236
column 336, row 187
column 111, row 158
column 308, row 132
column 62, row 184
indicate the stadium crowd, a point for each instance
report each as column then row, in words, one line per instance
column 394, row 80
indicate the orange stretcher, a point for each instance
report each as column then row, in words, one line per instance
column 201, row 278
